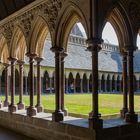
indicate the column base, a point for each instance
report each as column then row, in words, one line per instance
column 31, row 111
column 39, row 108
column 5, row 103
column 131, row 118
column 21, row 106
column 123, row 112
column 57, row 116
column 65, row 111
column 12, row 108
column 95, row 123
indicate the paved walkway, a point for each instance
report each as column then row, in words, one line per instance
column 6, row 134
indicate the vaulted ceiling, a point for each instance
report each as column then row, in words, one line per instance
column 7, row 7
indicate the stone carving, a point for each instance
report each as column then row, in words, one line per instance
column 51, row 11
column 8, row 31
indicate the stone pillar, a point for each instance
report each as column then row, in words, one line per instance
column 63, row 55
column 81, row 85
column 124, row 74
column 38, row 105
column 20, row 104
column 137, row 85
column 74, row 85
column 94, row 117
column 50, row 84
column 100, row 85
column 6, row 103
column 1, row 104
column 26, row 86
column 67, row 85
column 111, row 86
column 12, row 107
column 88, row 86
column 131, row 116
column 31, row 110
column 58, row 115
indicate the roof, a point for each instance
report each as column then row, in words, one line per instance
column 8, row 7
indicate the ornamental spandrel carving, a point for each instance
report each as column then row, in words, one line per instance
column 26, row 21
column 8, row 31
column 51, row 11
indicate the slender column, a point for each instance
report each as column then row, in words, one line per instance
column 38, row 105
column 67, row 85
column 26, row 86
column 111, row 86
column 1, row 104
column 12, row 107
column 51, row 85
column 31, row 110
column 20, row 104
column 81, row 85
column 74, row 85
column 94, row 117
column 124, row 73
column 58, row 115
column 100, row 85
column 131, row 116
column 137, row 86
column 63, row 55
column 6, row 103
column 87, row 85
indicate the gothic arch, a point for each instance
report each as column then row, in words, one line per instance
column 18, row 44
column 72, row 15
column 4, row 51
column 38, row 35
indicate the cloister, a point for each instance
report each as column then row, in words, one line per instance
column 24, row 28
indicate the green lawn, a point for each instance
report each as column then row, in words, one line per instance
column 81, row 103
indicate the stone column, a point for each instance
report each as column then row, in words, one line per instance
column 74, row 85
column 81, row 85
column 12, row 107
column 31, row 110
column 111, row 86
column 131, row 116
column 20, row 104
column 50, row 84
column 88, row 86
column 38, row 105
column 137, row 85
column 94, row 117
column 6, row 103
column 26, row 86
column 58, row 115
column 1, row 104
column 63, row 55
column 124, row 73
column 100, row 85
column 67, row 85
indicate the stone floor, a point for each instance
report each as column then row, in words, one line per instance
column 6, row 134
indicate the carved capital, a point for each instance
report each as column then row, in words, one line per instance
column 57, row 49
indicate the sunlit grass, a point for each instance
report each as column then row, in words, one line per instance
column 82, row 103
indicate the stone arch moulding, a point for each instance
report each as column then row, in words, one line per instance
column 39, row 32
column 18, row 44
column 72, row 15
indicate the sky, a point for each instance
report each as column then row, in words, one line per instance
column 109, row 34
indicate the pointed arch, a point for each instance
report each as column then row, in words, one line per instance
column 38, row 36
column 18, row 44
column 72, row 15
column 4, row 51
